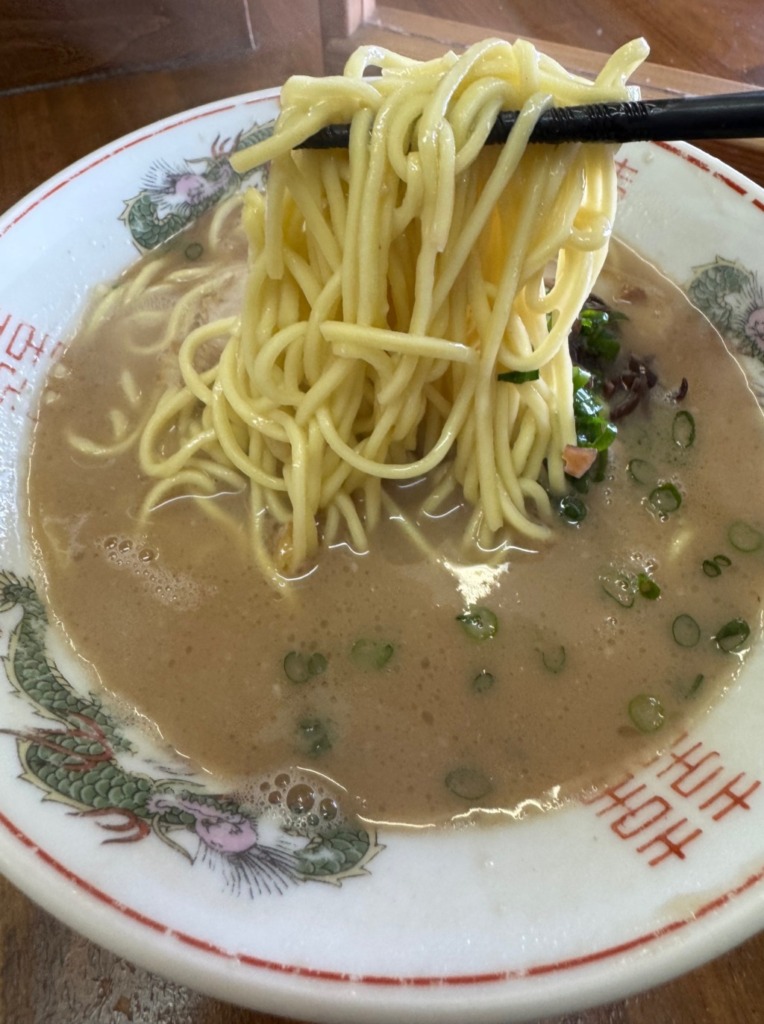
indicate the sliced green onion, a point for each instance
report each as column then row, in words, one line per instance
column 642, row 471
column 479, row 623
column 572, row 508
column 647, row 713
column 597, row 333
column 621, row 587
column 598, row 472
column 733, row 635
column 695, row 685
column 313, row 736
column 193, row 251
column 317, row 664
column 299, row 667
column 606, row 436
column 371, row 654
column 591, row 413
column 468, row 783
column 685, row 630
column 483, row 681
column 683, row 429
column 296, row 667
column 518, row 376
column 554, row 659
column 665, row 498
column 744, row 537
column 688, row 688
column 713, row 566
column 580, row 484
column 648, row 587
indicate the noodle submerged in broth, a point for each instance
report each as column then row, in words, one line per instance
column 411, row 618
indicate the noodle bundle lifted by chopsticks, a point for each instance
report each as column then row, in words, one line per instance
column 388, row 287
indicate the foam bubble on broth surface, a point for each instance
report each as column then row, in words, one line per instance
column 364, row 672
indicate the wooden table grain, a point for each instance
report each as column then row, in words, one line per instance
column 75, row 74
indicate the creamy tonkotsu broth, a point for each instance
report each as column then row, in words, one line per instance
column 362, row 671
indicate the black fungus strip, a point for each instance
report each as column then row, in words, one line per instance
column 626, row 390
column 681, row 392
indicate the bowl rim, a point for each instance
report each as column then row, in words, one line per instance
column 610, row 973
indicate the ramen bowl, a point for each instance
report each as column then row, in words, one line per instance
column 657, row 872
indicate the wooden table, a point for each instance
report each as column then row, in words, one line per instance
column 75, row 74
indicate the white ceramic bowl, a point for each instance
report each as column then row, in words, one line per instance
column 588, row 904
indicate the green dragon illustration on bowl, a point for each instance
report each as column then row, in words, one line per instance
column 175, row 195
column 732, row 298
column 285, row 830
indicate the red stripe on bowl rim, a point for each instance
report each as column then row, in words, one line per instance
column 17, row 213
column 417, row 981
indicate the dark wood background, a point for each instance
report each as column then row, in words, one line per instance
column 75, row 74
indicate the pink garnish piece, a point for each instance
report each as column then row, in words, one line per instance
column 577, row 460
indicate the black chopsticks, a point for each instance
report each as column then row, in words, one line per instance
column 732, row 116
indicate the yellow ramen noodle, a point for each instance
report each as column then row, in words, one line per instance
column 388, row 286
